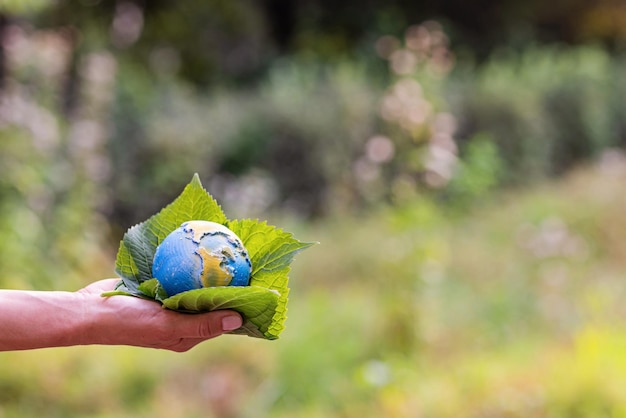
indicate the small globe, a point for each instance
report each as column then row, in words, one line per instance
column 201, row 254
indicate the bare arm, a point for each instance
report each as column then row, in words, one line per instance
column 34, row 319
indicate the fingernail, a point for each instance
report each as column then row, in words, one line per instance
column 231, row 322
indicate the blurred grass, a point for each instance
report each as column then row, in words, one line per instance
column 512, row 309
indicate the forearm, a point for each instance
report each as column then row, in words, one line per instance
column 32, row 319
column 38, row 319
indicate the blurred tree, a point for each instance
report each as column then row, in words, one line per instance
column 221, row 41
column 3, row 58
column 202, row 86
column 604, row 20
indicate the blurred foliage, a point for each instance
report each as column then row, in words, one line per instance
column 306, row 134
column 546, row 108
column 513, row 311
column 468, row 266
column 478, row 174
column 20, row 7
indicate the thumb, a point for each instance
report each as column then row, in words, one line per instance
column 231, row 321
column 209, row 325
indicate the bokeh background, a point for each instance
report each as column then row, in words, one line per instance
column 460, row 163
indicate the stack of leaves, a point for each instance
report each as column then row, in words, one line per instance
column 263, row 303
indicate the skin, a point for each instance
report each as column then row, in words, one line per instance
column 40, row 319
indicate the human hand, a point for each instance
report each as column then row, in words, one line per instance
column 143, row 323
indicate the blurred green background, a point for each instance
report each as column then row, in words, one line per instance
column 461, row 164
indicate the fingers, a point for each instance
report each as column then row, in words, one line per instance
column 231, row 322
column 207, row 325
column 183, row 345
column 108, row 283
column 194, row 329
column 148, row 324
column 100, row 286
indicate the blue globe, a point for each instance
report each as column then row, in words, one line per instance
column 201, row 254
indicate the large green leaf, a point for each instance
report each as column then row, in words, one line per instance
column 257, row 304
column 263, row 304
column 134, row 258
column 271, row 252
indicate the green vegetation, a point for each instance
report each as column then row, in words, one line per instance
column 467, row 195
column 510, row 310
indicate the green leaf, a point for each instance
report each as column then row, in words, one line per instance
column 134, row 258
column 256, row 304
column 152, row 289
column 127, row 269
column 271, row 252
column 263, row 304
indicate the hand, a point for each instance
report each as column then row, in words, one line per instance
column 143, row 323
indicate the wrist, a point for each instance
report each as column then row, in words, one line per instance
column 98, row 319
